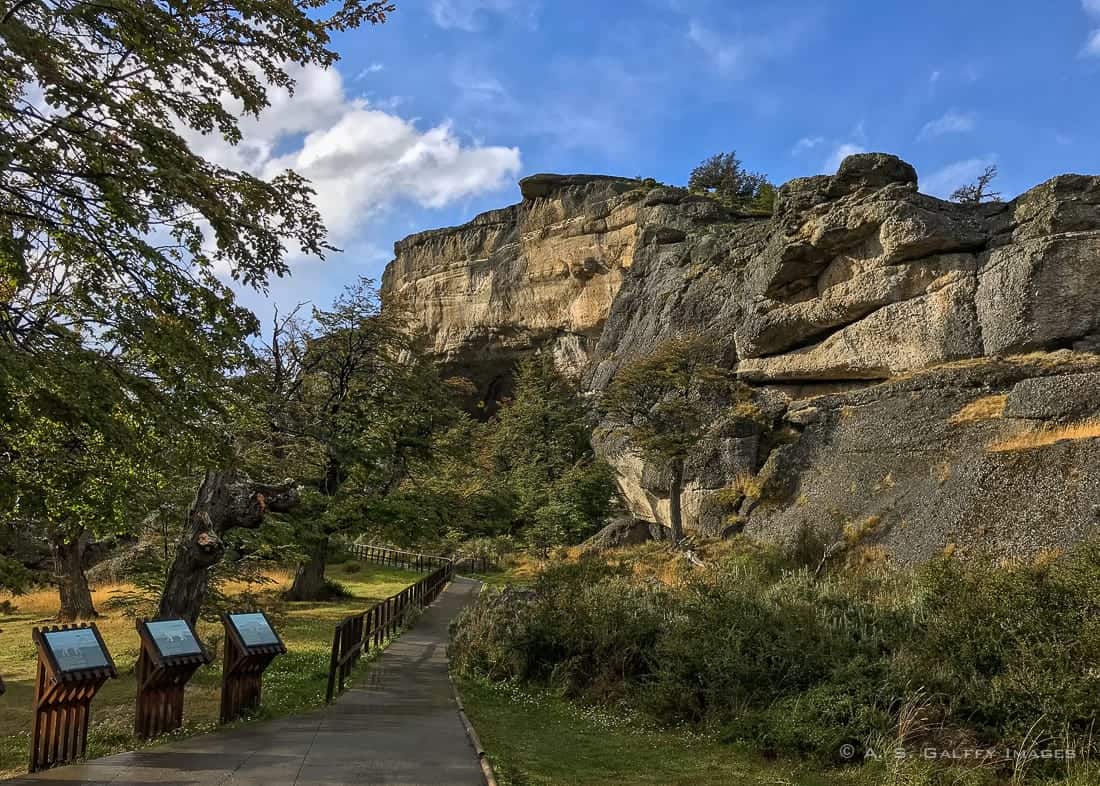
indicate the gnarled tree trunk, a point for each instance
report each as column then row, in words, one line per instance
column 72, row 584
column 224, row 501
column 309, row 579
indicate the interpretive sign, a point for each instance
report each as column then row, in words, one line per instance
column 251, row 643
column 76, row 649
column 170, row 655
column 255, row 630
column 73, row 664
column 173, row 638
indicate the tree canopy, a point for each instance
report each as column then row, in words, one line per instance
column 724, row 176
column 117, row 333
column 664, row 402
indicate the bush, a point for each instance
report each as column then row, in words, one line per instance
column 773, row 656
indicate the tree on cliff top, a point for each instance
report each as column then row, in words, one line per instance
column 977, row 192
column 724, row 176
column 664, row 402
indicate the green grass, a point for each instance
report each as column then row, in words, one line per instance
column 294, row 682
column 540, row 740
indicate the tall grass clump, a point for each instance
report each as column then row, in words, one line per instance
column 763, row 651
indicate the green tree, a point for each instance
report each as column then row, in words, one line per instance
column 664, row 402
column 351, row 401
column 529, row 472
column 724, row 176
column 540, row 445
column 84, row 460
column 112, row 228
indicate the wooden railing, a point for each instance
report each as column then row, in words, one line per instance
column 355, row 634
column 476, row 564
column 395, row 558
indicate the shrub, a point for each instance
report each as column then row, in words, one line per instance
column 777, row 657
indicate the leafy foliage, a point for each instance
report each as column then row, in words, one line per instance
column 666, row 399
column 980, row 654
column 724, row 176
column 664, row 402
column 119, row 345
column 529, row 472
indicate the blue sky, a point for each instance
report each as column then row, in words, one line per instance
column 432, row 117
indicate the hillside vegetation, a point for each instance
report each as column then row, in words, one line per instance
column 834, row 664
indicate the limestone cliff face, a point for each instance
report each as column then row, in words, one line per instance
column 538, row 275
column 926, row 372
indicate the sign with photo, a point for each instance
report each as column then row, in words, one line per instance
column 77, row 649
column 254, row 629
column 173, row 638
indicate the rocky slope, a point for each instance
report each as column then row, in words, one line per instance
column 925, row 373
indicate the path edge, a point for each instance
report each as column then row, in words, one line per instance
column 471, row 733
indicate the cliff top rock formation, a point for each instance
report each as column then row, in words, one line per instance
column 915, row 360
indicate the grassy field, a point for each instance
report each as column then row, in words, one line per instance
column 544, row 741
column 293, row 682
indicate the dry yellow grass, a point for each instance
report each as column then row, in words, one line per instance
column 856, row 531
column 1044, row 436
column 985, row 408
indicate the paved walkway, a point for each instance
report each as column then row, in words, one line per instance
column 398, row 727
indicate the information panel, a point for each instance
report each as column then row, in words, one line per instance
column 173, row 638
column 76, row 649
column 254, row 629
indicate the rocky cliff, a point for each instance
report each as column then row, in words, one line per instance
column 926, row 374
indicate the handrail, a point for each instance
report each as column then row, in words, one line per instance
column 397, row 558
column 355, row 633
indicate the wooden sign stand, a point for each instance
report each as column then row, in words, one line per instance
column 243, row 668
column 160, row 682
column 61, row 700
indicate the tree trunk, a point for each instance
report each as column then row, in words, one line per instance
column 309, row 579
column 675, row 517
column 72, row 584
column 224, row 501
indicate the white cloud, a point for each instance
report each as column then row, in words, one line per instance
column 603, row 115
column 832, row 163
column 359, row 158
column 951, row 123
column 469, row 15
column 727, row 54
column 1091, row 7
column 1092, row 46
column 943, row 181
column 373, row 68
column 477, row 81
column 370, row 157
column 735, row 56
column 934, row 77
column 806, row 144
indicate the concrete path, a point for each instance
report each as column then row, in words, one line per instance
column 399, row 726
